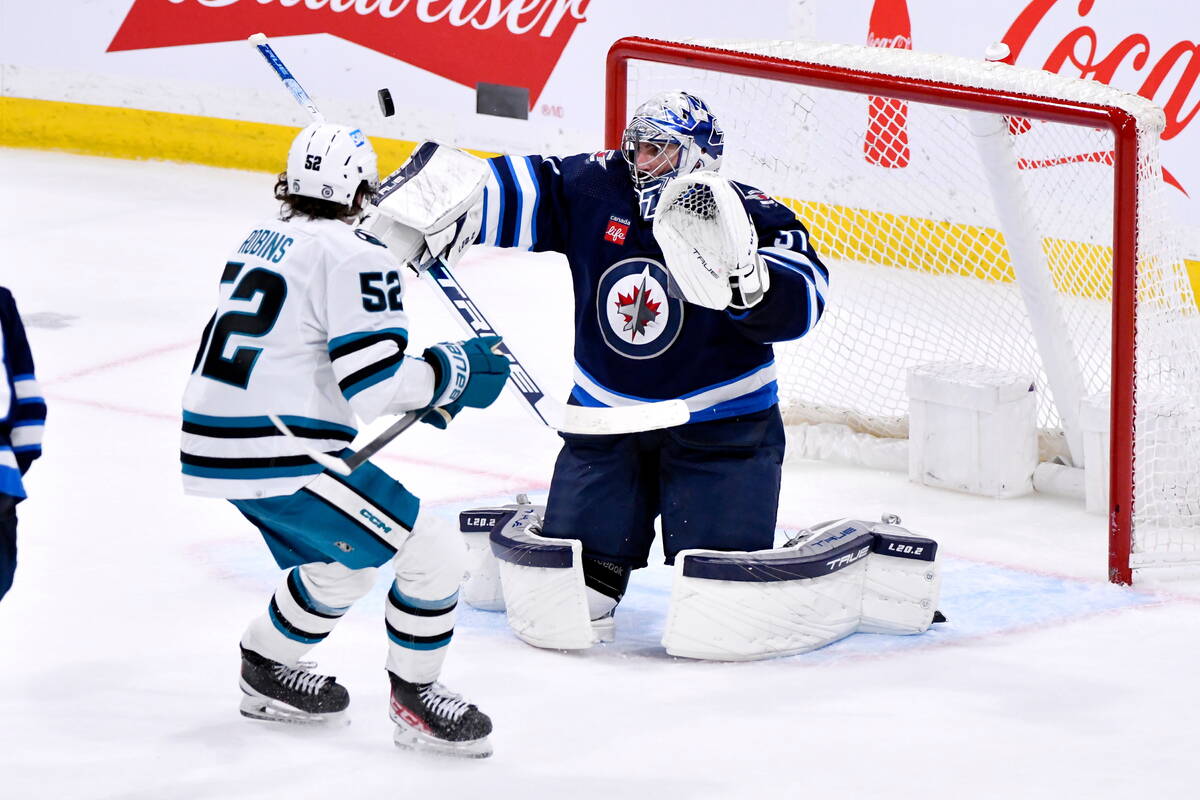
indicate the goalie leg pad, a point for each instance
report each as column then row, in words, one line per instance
column 751, row 605
column 543, row 585
column 902, row 584
column 482, row 588
column 844, row 577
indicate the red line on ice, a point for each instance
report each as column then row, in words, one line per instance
column 120, row 362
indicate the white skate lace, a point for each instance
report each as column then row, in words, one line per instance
column 300, row 678
column 443, row 703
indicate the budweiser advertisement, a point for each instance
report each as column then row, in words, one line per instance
column 516, row 43
column 189, row 56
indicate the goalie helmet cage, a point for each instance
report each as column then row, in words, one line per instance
column 971, row 212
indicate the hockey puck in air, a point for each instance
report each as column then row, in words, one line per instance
column 385, row 102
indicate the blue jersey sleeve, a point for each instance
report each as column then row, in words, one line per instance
column 525, row 204
column 24, row 420
column 799, row 281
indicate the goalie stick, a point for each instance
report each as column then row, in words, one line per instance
column 551, row 412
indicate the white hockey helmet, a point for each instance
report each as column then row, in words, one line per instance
column 673, row 118
column 329, row 162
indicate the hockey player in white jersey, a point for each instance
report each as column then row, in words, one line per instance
column 310, row 326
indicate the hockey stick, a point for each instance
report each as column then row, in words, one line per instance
column 557, row 415
column 344, row 466
column 259, row 40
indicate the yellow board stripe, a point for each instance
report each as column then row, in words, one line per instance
column 1080, row 269
column 136, row 133
column 871, row 237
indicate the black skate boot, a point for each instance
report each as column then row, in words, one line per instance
column 281, row 693
column 430, row 718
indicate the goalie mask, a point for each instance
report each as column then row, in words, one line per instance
column 671, row 134
column 329, row 162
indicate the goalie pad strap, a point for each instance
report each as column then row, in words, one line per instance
column 484, row 520
column 523, row 549
column 780, row 565
column 916, row 548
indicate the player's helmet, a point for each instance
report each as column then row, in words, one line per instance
column 329, row 162
column 673, row 118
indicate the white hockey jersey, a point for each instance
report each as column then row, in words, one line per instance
column 310, row 325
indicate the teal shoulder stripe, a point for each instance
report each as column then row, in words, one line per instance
column 354, row 337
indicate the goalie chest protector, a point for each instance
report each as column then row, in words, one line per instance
column 632, row 339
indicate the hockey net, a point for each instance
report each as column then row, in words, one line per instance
column 970, row 212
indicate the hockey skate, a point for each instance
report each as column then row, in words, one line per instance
column 431, row 719
column 280, row 693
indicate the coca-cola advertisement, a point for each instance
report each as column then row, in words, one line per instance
column 1151, row 48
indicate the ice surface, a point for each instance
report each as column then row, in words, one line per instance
column 118, row 642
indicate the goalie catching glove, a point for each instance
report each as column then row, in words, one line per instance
column 709, row 244
column 431, row 208
column 469, row 373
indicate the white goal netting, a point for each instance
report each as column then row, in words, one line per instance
column 956, row 236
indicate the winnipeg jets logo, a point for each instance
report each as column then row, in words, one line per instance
column 636, row 317
column 639, row 309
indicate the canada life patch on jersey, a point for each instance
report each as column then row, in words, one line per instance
column 618, row 229
column 636, row 317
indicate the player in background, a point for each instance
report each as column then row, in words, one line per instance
column 22, row 420
column 714, row 481
column 310, row 325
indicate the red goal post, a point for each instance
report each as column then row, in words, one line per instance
column 854, row 70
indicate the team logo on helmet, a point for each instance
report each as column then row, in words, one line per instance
column 636, row 316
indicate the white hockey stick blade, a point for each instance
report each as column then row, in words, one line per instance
column 331, row 463
column 609, row 420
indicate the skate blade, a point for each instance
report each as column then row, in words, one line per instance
column 270, row 710
column 407, row 738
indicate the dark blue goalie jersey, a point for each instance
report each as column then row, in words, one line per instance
column 633, row 342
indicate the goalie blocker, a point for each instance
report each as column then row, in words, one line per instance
column 431, row 208
column 838, row 578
